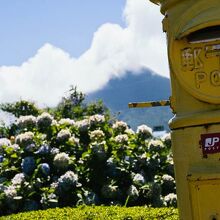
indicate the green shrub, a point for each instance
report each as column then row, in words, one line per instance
column 99, row 213
column 87, row 159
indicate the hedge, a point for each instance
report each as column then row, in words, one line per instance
column 98, row 212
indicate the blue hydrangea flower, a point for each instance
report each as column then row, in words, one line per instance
column 1, row 158
column 28, row 165
column 44, row 149
column 45, row 169
column 30, row 148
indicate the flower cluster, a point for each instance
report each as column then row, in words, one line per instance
column 25, row 139
column 44, row 120
column 83, row 125
column 144, row 131
column 171, row 200
column 27, row 121
column 66, row 121
column 67, row 183
column 97, row 135
column 61, row 160
column 96, row 119
column 28, row 165
column 120, row 126
column 63, row 135
column 121, row 139
column 139, row 180
column 47, row 163
column 18, row 179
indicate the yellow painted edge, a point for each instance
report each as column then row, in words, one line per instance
column 195, row 119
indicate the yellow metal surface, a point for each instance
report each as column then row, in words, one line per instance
column 205, row 196
column 200, row 118
column 197, row 177
column 193, row 36
column 197, row 67
column 149, row 104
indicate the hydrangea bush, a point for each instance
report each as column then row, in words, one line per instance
column 66, row 162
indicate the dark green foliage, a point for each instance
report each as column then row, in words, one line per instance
column 96, row 108
column 71, row 105
column 20, row 108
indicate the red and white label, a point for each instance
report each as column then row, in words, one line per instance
column 210, row 143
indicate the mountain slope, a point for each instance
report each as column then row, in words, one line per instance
column 136, row 87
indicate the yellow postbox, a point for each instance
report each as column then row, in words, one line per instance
column 193, row 36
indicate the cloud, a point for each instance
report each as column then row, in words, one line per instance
column 114, row 50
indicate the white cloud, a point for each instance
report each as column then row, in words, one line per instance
column 46, row 76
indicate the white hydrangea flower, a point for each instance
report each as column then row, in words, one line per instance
column 96, row 135
column 171, row 199
column 18, row 179
column 129, row 131
column 167, row 139
column 4, row 142
column 16, row 147
column 26, row 121
column 171, row 196
column 139, row 179
column 167, row 177
column 74, row 141
column 54, row 151
column 132, row 191
column 97, row 119
column 144, row 130
column 69, row 176
column 67, row 181
column 155, row 145
column 120, row 126
column 44, row 120
column 83, row 125
column 166, row 136
column 98, row 149
column 54, row 123
column 54, row 185
column 10, row 192
column 170, row 159
column 25, row 138
column 121, row 138
column 66, row 121
column 63, row 135
column 61, row 160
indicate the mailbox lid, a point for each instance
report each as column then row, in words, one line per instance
column 199, row 17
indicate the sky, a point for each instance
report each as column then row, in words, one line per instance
column 48, row 45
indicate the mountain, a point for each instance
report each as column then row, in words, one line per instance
column 136, row 87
